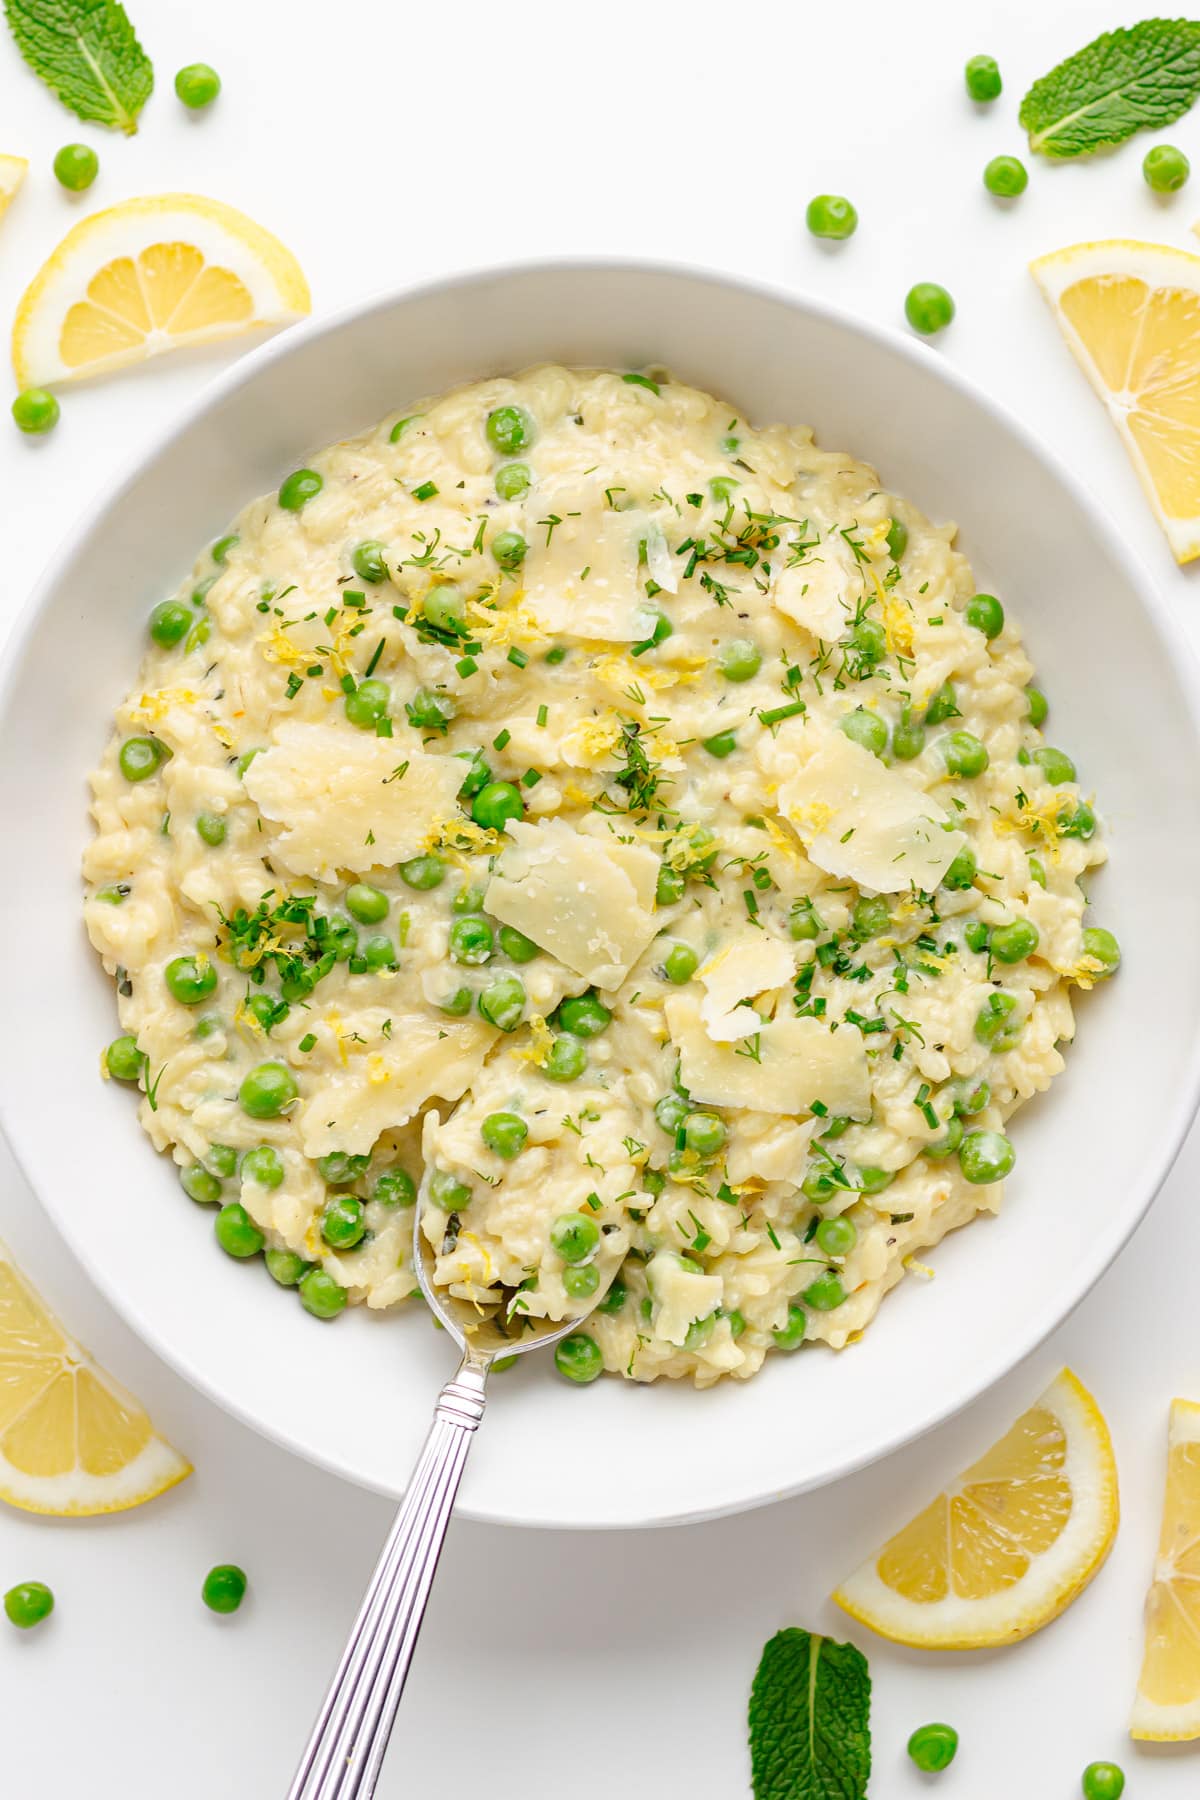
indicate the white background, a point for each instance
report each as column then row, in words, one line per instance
column 386, row 143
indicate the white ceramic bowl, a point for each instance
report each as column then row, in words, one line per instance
column 356, row 1396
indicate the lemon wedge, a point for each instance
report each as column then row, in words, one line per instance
column 1167, row 1708
column 149, row 276
column 72, row 1442
column 1008, row 1547
column 13, row 170
column 1131, row 314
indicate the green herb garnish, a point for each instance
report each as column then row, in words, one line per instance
column 88, row 53
column 1142, row 76
column 810, row 1709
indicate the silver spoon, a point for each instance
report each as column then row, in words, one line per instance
column 345, row 1752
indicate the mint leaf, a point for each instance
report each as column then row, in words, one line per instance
column 810, row 1713
column 1145, row 75
column 87, row 51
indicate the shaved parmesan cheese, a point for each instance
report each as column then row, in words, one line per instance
column 770, row 1148
column 381, row 1091
column 680, row 1296
column 783, row 1068
column 865, row 822
column 587, row 900
column 750, row 966
column 821, row 593
column 346, row 800
column 581, row 569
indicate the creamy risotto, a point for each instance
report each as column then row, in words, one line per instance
column 633, row 818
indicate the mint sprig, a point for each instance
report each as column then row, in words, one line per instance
column 88, row 52
column 1145, row 75
column 810, row 1720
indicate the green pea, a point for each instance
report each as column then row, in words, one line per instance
column 200, row 1185
column 342, row 937
column 1077, row 822
column 803, row 922
column 1055, row 765
column 113, row 895
column 190, row 979
column 211, row 829
column 505, row 1134
column 1012, row 943
column 874, row 1181
column 574, row 1236
column 721, row 745
column 982, row 77
column 339, row 1167
column 285, row 1267
column 670, row 1112
column 447, row 1192
column 655, row 624
column 908, row 737
column 581, row 1283
column 512, row 480
column 1005, row 177
column 985, row 1156
column 509, row 428
column 1103, row 947
column 496, row 804
column 669, row 887
column 222, row 1159
column 301, row 486
column 477, row 776
column 123, row 1060
column 430, row 710
column 472, row 941
column 817, row 1185
column 585, row 1015
column 964, row 754
column 791, row 1335
column 36, row 411
column 366, row 904
column 263, row 1165
column 342, row 1222
column 897, row 539
column 567, row 1058
column 933, row 1747
column 614, row 1299
column 321, row 1295
column 992, row 1022
column 502, row 1002
column 369, row 561
column 268, row 1090
column 197, row 85
column 836, row 1237
column 949, row 1142
column 423, row 872
column 469, row 899
column 831, row 216
column 928, row 308
column 826, row 1293
column 394, row 1187
column 515, row 945
column 222, row 547
column 869, row 638
column 76, row 166
column 509, row 548
column 1103, row 1781
column 579, row 1358
column 27, row 1604
column 169, row 622
column 699, row 1332
column 368, row 704
column 1164, row 167
column 739, row 659
column 977, row 936
column 1037, row 704
column 456, row 1005
column 962, row 870
column 943, row 705
column 704, row 1133
column 870, row 917
column 865, row 728
column 986, row 614
column 378, row 952
column 236, row 1231
column 971, row 1096
column 446, row 608
column 680, row 963
column 246, row 758
column 140, row 757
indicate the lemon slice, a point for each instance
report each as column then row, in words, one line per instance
column 1004, row 1550
column 149, row 276
column 1131, row 314
column 72, row 1442
column 1167, row 1707
column 13, row 170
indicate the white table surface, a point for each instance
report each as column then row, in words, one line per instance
column 387, row 143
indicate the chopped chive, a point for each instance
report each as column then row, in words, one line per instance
column 776, row 713
column 426, row 491
column 294, row 684
column 501, row 738
column 353, row 597
column 348, row 683
column 466, row 665
column 543, row 713
column 308, row 1041
column 383, row 727
column 517, row 658
column 641, row 381
column 375, row 656
column 531, row 777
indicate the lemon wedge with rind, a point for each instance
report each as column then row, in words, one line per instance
column 1167, row 1707
column 13, row 170
column 73, row 1442
column 149, row 276
column 1010, row 1545
column 1131, row 314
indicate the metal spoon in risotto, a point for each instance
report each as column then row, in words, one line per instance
column 344, row 1755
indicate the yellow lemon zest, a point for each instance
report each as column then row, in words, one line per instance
column 378, row 1072
column 152, row 708
column 1041, row 822
column 541, row 1042
column 277, row 647
column 460, row 838
column 782, row 840
column 250, row 1027
column 1085, row 972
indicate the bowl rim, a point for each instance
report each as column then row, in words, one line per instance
column 242, row 374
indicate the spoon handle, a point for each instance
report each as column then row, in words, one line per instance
column 345, row 1753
